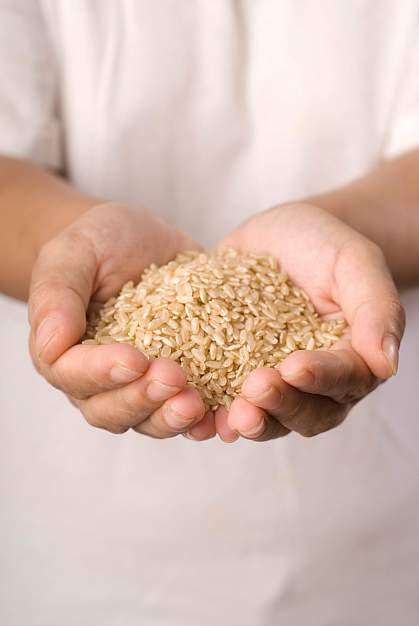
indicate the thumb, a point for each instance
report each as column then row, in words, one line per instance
column 61, row 286
column 372, row 307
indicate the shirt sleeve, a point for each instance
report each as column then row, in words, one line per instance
column 403, row 134
column 29, row 124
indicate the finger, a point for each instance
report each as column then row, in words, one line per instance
column 175, row 416
column 226, row 434
column 62, row 282
column 306, row 414
column 370, row 302
column 130, row 405
column 104, row 422
column 252, row 422
column 339, row 373
column 205, row 429
column 87, row 370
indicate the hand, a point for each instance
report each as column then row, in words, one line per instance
column 345, row 275
column 115, row 386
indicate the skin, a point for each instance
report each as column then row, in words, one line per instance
column 383, row 205
column 312, row 392
column 79, row 252
column 114, row 386
column 35, row 205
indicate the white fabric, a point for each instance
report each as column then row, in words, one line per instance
column 206, row 112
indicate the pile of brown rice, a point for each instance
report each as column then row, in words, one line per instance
column 220, row 314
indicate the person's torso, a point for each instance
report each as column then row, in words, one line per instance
column 207, row 112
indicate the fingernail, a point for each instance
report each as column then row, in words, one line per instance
column 255, row 392
column 121, row 374
column 298, row 378
column 255, row 432
column 271, row 398
column 390, row 347
column 158, row 392
column 47, row 330
column 176, row 420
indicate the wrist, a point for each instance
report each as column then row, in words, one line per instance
column 338, row 202
column 375, row 207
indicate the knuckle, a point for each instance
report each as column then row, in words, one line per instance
column 354, row 381
column 91, row 416
column 308, row 433
column 88, row 379
column 178, row 423
column 361, row 248
column 76, row 393
column 43, row 256
column 92, row 420
column 104, row 424
column 69, row 239
column 390, row 306
column 300, row 419
column 134, row 405
column 38, row 296
column 295, row 413
column 148, row 432
column 366, row 252
column 331, row 378
column 312, row 427
column 274, row 430
column 365, row 385
column 129, row 406
column 323, row 422
column 375, row 251
column 61, row 379
column 315, row 428
column 48, row 248
column 74, row 401
column 116, row 430
column 50, row 376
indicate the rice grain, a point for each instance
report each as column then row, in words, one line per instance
column 219, row 314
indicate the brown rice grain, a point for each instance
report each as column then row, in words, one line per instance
column 219, row 314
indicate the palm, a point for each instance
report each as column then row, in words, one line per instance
column 125, row 243
column 343, row 274
column 307, row 244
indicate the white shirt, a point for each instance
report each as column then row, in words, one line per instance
column 207, row 112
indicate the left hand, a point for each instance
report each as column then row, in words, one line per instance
column 345, row 275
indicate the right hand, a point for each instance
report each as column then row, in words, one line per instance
column 114, row 386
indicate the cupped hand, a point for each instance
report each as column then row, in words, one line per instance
column 345, row 275
column 115, row 386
